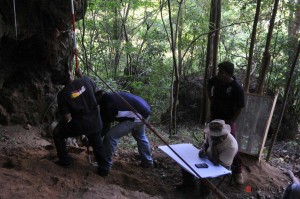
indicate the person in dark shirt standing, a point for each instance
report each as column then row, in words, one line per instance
column 114, row 108
column 227, row 101
column 77, row 106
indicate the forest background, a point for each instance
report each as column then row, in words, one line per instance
column 146, row 46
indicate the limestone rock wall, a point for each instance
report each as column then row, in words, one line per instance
column 35, row 55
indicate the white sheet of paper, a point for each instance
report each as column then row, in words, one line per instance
column 189, row 154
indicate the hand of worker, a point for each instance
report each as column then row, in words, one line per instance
column 215, row 161
column 85, row 141
column 202, row 153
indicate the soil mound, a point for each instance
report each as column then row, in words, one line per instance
column 28, row 171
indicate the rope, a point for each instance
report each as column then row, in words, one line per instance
column 74, row 35
column 15, row 16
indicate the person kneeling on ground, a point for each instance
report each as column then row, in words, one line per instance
column 220, row 147
column 115, row 107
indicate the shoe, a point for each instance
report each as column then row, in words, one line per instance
column 103, row 172
column 238, row 178
column 65, row 164
column 144, row 165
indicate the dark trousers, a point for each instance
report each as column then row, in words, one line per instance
column 187, row 178
column 236, row 166
column 65, row 130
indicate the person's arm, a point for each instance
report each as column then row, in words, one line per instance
column 215, row 160
column 98, row 94
column 235, row 116
column 208, row 89
column 240, row 103
column 226, row 156
column 63, row 108
column 293, row 177
column 67, row 118
column 203, row 149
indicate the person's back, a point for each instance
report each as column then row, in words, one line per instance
column 116, row 107
column 226, row 99
column 113, row 107
column 78, row 99
column 79, row 116
column 226, row 150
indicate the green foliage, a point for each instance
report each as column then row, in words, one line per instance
column 126, row 43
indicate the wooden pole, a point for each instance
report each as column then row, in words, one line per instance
column 74, row 35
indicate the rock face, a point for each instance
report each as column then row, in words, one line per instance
column 190, row 98
column 36, row 51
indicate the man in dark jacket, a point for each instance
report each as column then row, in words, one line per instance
column 116, row 107
column 77, row 106
column 227, row 100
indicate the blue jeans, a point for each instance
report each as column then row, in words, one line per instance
column 121, row 129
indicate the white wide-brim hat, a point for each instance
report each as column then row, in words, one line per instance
column 217, row 128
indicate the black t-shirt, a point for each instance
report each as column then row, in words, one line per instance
column 111, row 104
column 78, row 99
column 226, row 98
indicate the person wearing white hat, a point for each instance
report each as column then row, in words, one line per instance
column 220, row 146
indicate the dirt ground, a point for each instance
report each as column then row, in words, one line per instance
column 28, row 171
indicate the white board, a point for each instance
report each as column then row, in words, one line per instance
column 189, row 154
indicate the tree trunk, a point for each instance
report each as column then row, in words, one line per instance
column 176, row 74
column 116, row 38
column 129, row 68
column 266, row 54
column 208, row 62
column 179, row 29
column 216, row 35
column 253, row 36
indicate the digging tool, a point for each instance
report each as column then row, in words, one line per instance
column 85, row 142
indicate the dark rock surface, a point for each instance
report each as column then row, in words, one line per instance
column 190, row 98
column 35, row 55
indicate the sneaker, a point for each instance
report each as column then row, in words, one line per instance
column 238, row 178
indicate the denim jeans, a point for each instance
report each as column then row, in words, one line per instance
column 121, row 129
